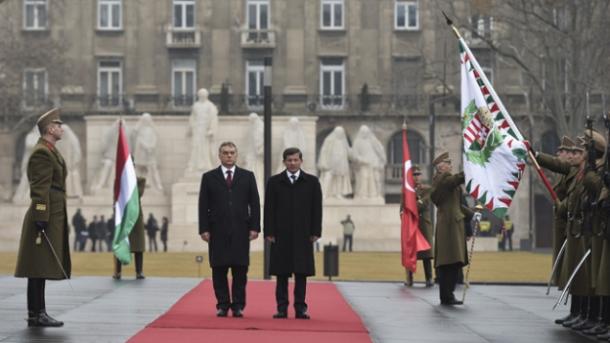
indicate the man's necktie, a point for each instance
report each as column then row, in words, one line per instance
column 229, row 179
column 293, row 178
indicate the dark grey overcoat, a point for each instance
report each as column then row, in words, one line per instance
column 229, row 214
column 293, row 213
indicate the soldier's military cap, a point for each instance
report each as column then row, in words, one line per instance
column 566, row 143
column 599, row 142
column 444, row 157
column 416, row 170
column 580, row 144
column 51, row 116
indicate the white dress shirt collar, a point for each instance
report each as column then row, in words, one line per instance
column 224, row 171
column 297, row 174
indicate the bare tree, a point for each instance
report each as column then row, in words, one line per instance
column 560, row 46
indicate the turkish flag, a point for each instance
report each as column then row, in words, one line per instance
column 411, row 238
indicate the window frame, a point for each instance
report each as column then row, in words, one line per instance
column 258, row 67
column 259, row 4
column 407, row 4
column 330, row 68
column 184, row 4
column 184, row 70
column 37, row 102
column 101, row 69
column 332, row 26
column 109, row 4
column 36, row 20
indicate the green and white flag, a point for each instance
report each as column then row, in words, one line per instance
column 494, row 152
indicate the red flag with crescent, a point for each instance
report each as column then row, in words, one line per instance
column 411, row 238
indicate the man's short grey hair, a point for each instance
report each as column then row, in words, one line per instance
column 229, row 144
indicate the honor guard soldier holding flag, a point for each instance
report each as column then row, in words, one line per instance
column 44, row 250
column 450, row 244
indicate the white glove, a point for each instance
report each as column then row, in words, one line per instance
column 477, row 216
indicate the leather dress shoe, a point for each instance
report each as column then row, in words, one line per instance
column 604, row 337
column 452, row 302
column 42, row 319
column 280, row 315
column 564, row 319
column 429, row 283
column 140, row 276
column 571, row 322
column 302, row 315
column 222, row 312
column 238, row 313
column 116, row 276
column 598, row 329
column 584, row 325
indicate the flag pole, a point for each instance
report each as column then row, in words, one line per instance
column 530, row 153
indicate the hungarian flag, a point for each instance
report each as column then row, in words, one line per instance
column 411, row 238
column 126, row 199
column 494, row 153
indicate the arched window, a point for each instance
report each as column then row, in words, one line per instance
column 549, row 142
column 417, row 147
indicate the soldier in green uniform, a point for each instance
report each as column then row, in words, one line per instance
column 425, row 226
column 562, row 165
column 602, row 286
column 137, row 243
column 591, row 207
column 44, row 251
column 450, row 244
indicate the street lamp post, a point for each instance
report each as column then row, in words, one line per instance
column 267, row 148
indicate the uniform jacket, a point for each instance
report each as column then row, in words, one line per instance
column 229, row 214
column 293, row 213
column 136, row 236
column 450, row 236
column 46, row 172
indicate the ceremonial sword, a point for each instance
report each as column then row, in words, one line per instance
column 569, row 283
column 57, row 259
column 555, row 265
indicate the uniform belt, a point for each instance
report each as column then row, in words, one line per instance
column 58, row 189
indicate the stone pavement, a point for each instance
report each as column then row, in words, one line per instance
column 102, row 310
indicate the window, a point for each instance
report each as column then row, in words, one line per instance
column 109, row 83
column 487, row 61
column 109, row 15
column 332, row 83
column 258, row 20
column 183, row 82
column 35, row 14
column 417, row 148
column 332, row 14
column 35, row 87
column 184, row 14
column 254, row 83
column 482, row 25
column 406, row 15
column 549, row 142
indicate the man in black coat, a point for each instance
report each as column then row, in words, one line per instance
column 293, row 222
column 229, row 218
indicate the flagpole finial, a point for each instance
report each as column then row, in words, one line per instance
column 449, row 21
column 404, row 125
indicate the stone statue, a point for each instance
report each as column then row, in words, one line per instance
column 70, row 149
column 333, row 164
column 22, row 193
column 293, row 137
column 370, row 159
column 255, row 148
column 144, row 147
column 104, row 169
column 203, row 124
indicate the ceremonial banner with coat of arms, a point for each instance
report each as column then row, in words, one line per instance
column 494, row 152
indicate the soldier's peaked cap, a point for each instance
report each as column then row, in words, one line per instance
column 566, row 143
column 52, row 116
column 599, row 142
column 444, row 157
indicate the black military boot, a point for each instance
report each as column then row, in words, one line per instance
column 42, row 319
column 565, row 319
column 599, row 329
column 575, row 320
column 409, row 282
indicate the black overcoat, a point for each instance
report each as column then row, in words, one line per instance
column 229, row 214
column 293, row 213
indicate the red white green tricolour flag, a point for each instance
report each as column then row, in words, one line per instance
column 494, row 152
column 126, row 199
column 411, row 238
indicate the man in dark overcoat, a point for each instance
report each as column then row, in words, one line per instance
column 450, row 253
column 293, row 222
column 44, row 250
column 229, row 218
column 80, row 227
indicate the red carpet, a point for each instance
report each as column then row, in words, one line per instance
column 193, row 318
